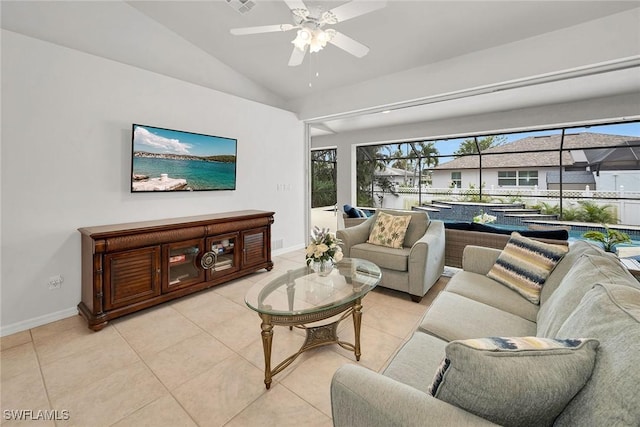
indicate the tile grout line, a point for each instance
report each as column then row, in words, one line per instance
column 155, row 375
column 43, row 381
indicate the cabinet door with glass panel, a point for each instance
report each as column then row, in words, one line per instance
column 182, row 264
column 221, row 255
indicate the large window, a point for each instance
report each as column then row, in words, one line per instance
column 527, row 178
column 385, row 171
column 517, row 178
column 456, row 179
column 507, row 178
column 565, row 172
column 323, row 178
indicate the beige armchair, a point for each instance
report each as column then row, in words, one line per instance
column 415, row 267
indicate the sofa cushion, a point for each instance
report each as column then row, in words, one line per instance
column 610, row 314
column 487, row 291
column 417, row 360
column 382, row 256
column 576, row 249
column 525, row 264
column 389, row 230
column 454, row 317
column 514, row 381
column 588, row 270
column 351, row 211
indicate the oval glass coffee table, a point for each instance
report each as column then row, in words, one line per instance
column 300, row 297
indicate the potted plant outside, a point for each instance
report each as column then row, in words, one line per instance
column 609, row 239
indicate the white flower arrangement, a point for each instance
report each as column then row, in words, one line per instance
column 484, row 218
column 323, row 246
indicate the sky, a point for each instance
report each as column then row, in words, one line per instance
column 166, row 141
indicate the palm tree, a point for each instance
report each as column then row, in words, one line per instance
column 368, row 159
column 413, row 156
column 426, row 156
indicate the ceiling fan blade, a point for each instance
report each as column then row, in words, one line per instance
column 297, row 56
column 352, row 9
column 295, row 4
column 348, row 44
column 262, row 29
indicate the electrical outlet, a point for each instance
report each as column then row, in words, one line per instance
column 55, row 282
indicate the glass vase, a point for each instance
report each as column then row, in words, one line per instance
column 323, row 268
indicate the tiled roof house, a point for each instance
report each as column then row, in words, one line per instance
column 586, row 151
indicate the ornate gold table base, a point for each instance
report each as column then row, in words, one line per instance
column 317, row 336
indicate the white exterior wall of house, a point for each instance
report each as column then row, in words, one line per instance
column 621, row 181
column 442, row 178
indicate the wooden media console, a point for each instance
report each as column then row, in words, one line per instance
column 130, row 267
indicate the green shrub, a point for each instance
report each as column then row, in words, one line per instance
column 592, row 212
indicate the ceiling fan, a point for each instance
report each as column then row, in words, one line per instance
column 311, row 32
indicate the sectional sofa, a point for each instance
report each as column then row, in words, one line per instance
column 572, row 359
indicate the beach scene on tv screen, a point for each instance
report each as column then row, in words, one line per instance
column 171, row 160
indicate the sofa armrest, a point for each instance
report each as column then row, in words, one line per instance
column 479, row 259
column 351, row 222
column 361, row 397
column 354, row 235
column 426, row 259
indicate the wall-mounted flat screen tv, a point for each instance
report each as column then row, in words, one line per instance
column 173, row 160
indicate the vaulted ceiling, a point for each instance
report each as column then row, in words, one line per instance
column 420, row 51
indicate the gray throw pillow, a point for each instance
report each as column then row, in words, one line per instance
column 514, row 381
column 611, row 314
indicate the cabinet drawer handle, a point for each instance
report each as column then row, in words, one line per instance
column 208, row 260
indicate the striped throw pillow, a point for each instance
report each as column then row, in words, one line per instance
column 524, row 265
column 514, row 381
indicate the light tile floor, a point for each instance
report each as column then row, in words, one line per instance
column 197, row 361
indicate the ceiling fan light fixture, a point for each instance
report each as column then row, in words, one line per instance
column 316, row 39
column 305, row 34
column 315, row 46
column 302, row 39
column 310, row 28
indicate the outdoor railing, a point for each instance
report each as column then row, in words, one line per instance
column 461, row 193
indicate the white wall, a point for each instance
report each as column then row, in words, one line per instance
column 66, row 147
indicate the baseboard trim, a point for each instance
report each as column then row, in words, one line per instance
column 63, row 314
column 287, row 250
column 37, row 321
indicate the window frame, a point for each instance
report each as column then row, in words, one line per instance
column 458, row 180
